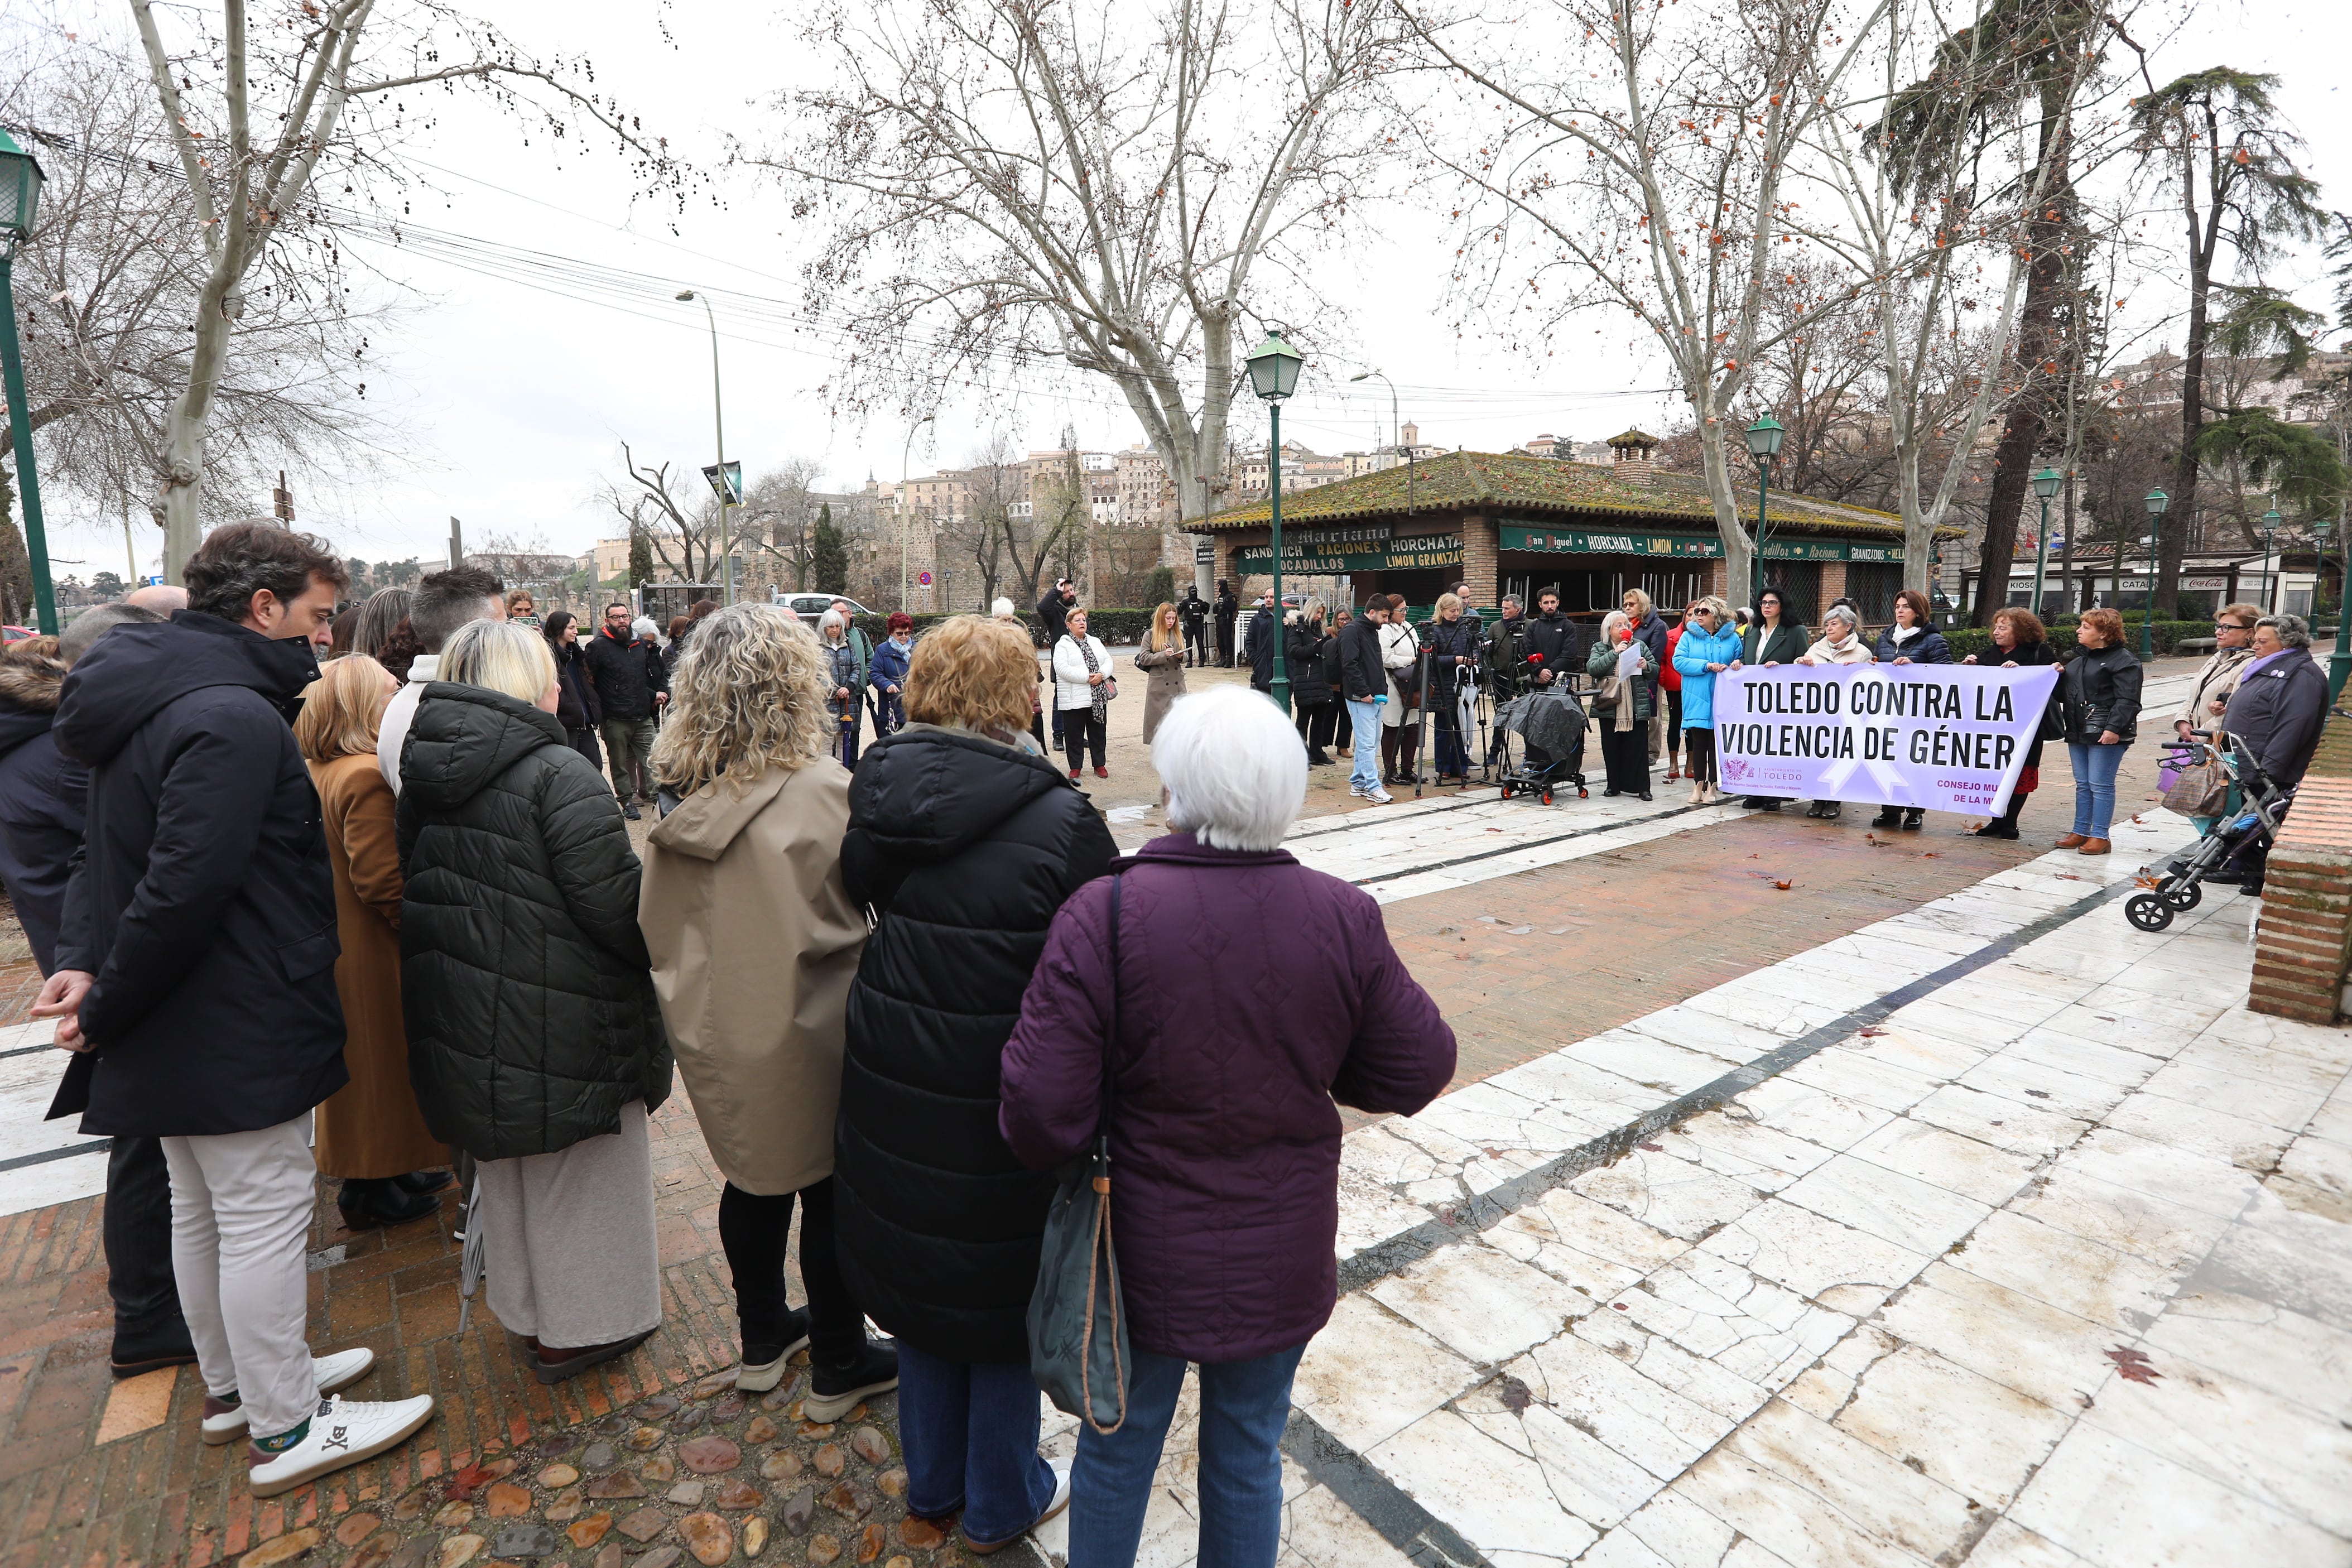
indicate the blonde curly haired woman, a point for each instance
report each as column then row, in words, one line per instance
column 754, row 943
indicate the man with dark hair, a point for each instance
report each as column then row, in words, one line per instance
column 1551, row 637
column 631, row 681
column 1054, row 613
column 42, row 801
column 444, row 602
column 195, row 978
column 1262, row 644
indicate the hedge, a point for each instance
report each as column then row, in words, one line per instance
column 2168, row 636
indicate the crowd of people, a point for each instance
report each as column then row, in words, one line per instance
column 390, row 898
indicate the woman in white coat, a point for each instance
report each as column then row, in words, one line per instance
column 1083, row 687
column 1400, row 733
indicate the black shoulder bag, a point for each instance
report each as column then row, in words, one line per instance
column 1077, row 1328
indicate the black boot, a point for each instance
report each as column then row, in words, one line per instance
column 833, row 1391
column 1912, row 815
column 1888, row 816
column 368, row 1202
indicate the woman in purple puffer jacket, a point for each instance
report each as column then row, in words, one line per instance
column 1251, row 994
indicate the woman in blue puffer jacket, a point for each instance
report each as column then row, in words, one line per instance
column 1709, row 644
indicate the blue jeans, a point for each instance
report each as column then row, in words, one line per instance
column 2094, row 787
column 1364, row 718
column 970, row 1432
column 1244, row 1406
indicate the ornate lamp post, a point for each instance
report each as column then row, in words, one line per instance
column 1274, row 375
column 20, row 199
column 1764, row 438
column 2156, row 503
column 2045, row 485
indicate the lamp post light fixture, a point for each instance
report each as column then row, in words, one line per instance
column 1764, row 438
column 1274, row 376
column 20, row 200
column 2156, row 502
column 719, row 420
column 2045, row 485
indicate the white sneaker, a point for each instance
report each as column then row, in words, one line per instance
column 1378, row 796
column 342, row 1433
column 1356, row 789
column 334, row 1372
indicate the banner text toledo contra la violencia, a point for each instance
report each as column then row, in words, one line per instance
column 1947, row 737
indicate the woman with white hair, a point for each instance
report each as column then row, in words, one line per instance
column 754, row 941
column 534, row 1038
column 844, row 681
column 1840, row 643
column 1224, row 1141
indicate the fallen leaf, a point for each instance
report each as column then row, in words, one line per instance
column 1929, row 853
column 2039, row 1093
column 2134, row 1366
column 1870, row 1031
column 1515, row 1394
column 1783, row 884
column 1654, row 1148
column 465, row 1483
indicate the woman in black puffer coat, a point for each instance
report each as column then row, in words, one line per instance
column 1305, row 645
column 535, row 1040
column 963, row 843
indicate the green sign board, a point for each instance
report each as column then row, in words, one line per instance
column 1593, row 541
column 1375, row 547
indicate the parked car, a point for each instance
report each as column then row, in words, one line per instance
column 16, row 633
column 811, row 608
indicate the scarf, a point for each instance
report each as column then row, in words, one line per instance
column 1901, row 634
column 1101, row 689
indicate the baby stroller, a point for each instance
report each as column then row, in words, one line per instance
column 2180, row 885
column 1549, row 726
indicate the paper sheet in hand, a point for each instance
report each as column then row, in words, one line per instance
column 1629, row 661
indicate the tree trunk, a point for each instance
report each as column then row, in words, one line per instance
column 2173, row 528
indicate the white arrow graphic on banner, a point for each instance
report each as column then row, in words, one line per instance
column 1894, row 790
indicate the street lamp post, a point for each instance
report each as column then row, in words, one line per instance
column 2156, row 502
column 2339, row 664
column 719, row 420
column 2045, row 485
column 906, row 503
column 1764, row 438
column 20, row 198
column 1274, row 375
column 2271, row 520
column 1395, row 437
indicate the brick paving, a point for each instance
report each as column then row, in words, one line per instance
column 1612, row 936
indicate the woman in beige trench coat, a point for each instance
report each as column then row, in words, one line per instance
column 754, row 944
column 1161, row 657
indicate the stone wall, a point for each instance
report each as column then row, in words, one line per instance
column 2301, row 944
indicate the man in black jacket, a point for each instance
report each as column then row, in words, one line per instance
column 1193, row 614
column 43, row 799
column 1226, row 610
column 1364, row 683
column 195, row 975
column 1053, row 614
column 1262, row 644
column 631, row 682
column 1552, row 636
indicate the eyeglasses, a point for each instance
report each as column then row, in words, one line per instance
column 2232, row 627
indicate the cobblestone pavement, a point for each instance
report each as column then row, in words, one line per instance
column 1911, row 1212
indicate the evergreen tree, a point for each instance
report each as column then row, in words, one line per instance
column 829, row 555
column 641, row 558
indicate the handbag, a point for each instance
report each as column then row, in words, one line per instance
column 2202, row 790
column 1606, row 696
column 1077, row 1328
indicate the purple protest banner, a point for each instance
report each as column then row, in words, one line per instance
column 1948, row 737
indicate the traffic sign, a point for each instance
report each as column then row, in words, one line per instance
column 924, row 578
column 732, row 491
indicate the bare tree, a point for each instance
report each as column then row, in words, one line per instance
column 111, row 278
column 1109, row 186
column 783, row 505
column 682, row 530
column 533, row 563
column 333, row 79
column 1637, row 159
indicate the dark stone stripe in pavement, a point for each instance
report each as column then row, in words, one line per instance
column 95, row 1146
column 1586, row 831
column 1484, row 1210
column 1404, row 1524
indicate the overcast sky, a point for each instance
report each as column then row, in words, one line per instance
column 509, row 395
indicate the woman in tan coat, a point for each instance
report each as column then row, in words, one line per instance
column 754, row 944
column 370, row 1132
column 1162, row 657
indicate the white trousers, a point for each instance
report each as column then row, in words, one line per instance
column 240, row 1212
column 567, row 1246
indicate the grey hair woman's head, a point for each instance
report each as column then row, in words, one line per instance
column 1837, row 615
column 834, row 627
column 2292, row 631
column 1233, row 767
column 1611, row 624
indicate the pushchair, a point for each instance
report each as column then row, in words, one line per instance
column 2179, row 887
column 1549, row 726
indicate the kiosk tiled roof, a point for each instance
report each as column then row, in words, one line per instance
column 1509, row 484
